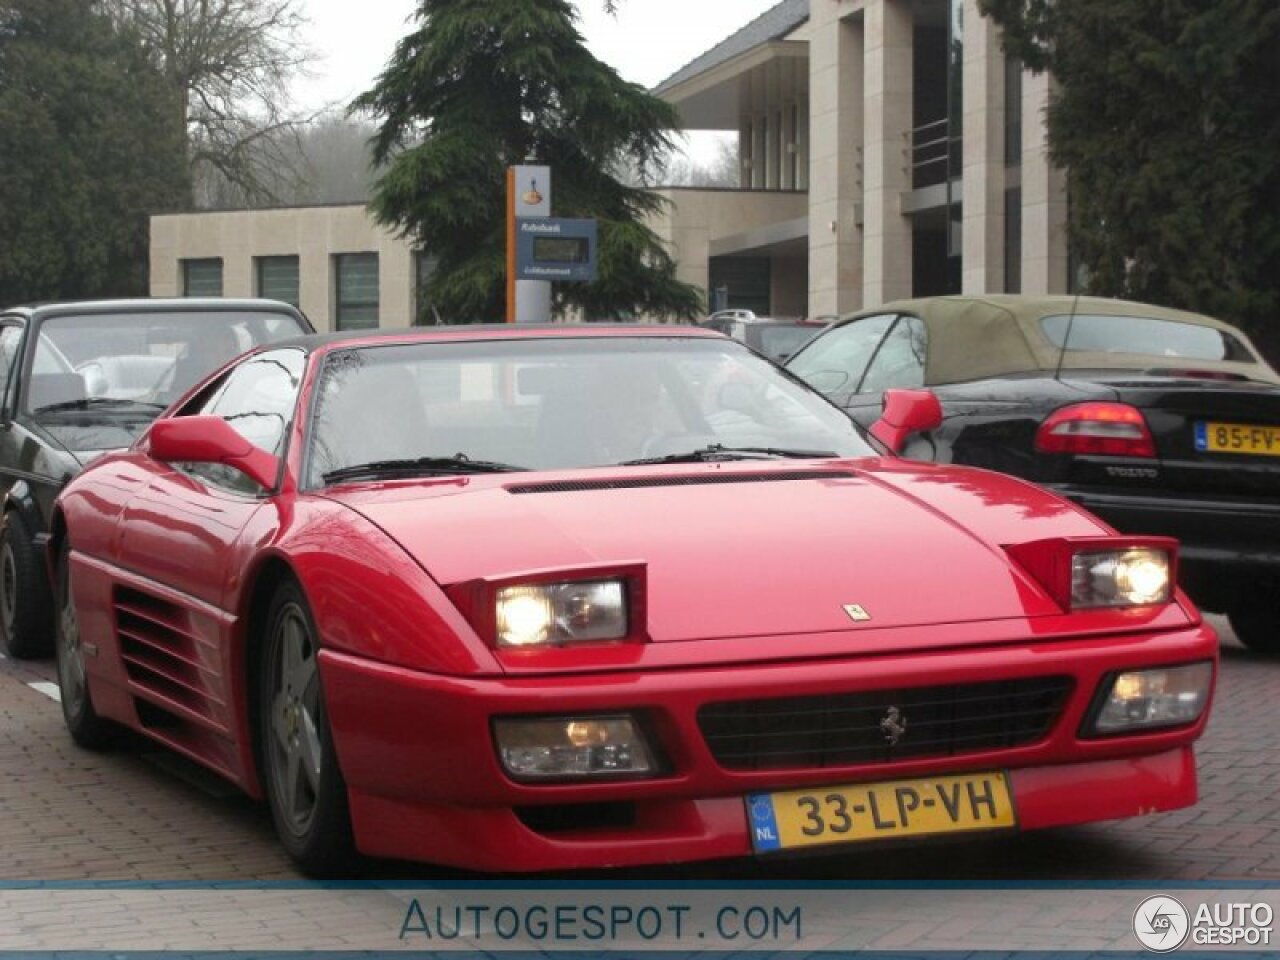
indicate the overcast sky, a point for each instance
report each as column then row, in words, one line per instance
column 646, row 42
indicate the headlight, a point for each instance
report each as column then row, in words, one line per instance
column 1090, row 573
column 552, row 614
column 1146, row 699
column 1132, row 577
column 558, row 748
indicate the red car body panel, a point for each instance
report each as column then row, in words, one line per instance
column 736, row 609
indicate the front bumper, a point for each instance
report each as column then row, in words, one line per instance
column 425, row 782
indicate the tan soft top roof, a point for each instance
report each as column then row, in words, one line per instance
column 972, row 337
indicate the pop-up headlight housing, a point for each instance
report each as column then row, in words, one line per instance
column 1089, row 573
column 557, row 614
column 551, row 609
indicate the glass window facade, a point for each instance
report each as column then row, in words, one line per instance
column 742, row 283
column 1013, row 240
column 356, row 291
column 1012, row 112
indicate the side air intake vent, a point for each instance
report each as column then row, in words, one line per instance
column 165, row 660
column 693, row 480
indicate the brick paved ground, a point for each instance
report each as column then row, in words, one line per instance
column 139, row 813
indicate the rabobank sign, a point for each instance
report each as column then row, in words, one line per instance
column 556, row 249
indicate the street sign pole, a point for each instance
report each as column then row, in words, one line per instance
column 528, row 196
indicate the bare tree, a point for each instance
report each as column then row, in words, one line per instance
column 720, row 170
column 328, row 160
column 229, row 64
column 337, row 161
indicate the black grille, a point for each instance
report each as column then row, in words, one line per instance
column 697, row 479
column 847, row 729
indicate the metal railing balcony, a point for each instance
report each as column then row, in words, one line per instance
column 935, row 153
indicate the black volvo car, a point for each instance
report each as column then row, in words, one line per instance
column 1158, row 421
column 78, row 379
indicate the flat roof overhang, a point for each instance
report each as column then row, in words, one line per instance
column 711, row 100
column 786, row 237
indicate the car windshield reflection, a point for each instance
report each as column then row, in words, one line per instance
column 133, row 365
column 561, row 403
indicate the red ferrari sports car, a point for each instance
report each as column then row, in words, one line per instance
column 532, row 598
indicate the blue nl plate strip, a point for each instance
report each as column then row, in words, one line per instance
column 764, row 823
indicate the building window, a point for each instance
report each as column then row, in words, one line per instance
column 742, row 283
column 202, row 278
column 278, row 278
column 762, row 181
column 424, row 268
column 1013, row 240
column 357, row 290
column 794, row 147
column 1012, row 112
column 780, row 135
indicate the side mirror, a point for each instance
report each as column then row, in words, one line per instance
column 207, row 439
column 906, row 412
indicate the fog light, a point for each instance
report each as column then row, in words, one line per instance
column 560, row 748
column 1147, row 699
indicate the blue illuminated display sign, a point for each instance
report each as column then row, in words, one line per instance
column 556, row 249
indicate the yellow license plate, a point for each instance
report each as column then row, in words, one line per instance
column 1237, row 438
column 874, row 811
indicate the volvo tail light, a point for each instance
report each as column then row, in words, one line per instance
column 1097, row 428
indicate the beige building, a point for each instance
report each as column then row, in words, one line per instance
column 333, row 262
column 887, row 149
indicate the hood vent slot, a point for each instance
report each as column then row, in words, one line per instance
column 691, row 480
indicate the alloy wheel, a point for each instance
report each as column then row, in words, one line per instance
column 8, row 588
column 294, row 747
column 71, row 672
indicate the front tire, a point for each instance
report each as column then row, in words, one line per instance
column 87, row 728
column 26, row 627
column 1257, row 626
column 305, row 789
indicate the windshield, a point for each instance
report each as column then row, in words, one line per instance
column 139, row 363
column 552, row 403
column 1144, row 336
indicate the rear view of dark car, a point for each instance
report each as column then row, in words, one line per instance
column 78, row 379
column 1159, row 421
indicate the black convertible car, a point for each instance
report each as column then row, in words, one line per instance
column 1159, row 421
column 77, row 379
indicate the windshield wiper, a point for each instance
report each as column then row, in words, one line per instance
column 459, row 463
column 716, row 451
column 89, row 403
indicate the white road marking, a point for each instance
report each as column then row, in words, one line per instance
column 50, row 690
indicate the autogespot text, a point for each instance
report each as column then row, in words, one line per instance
column 597, row 923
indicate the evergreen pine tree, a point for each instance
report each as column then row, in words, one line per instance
column 481, row 85
column 1166, row 117
column 88, row 148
